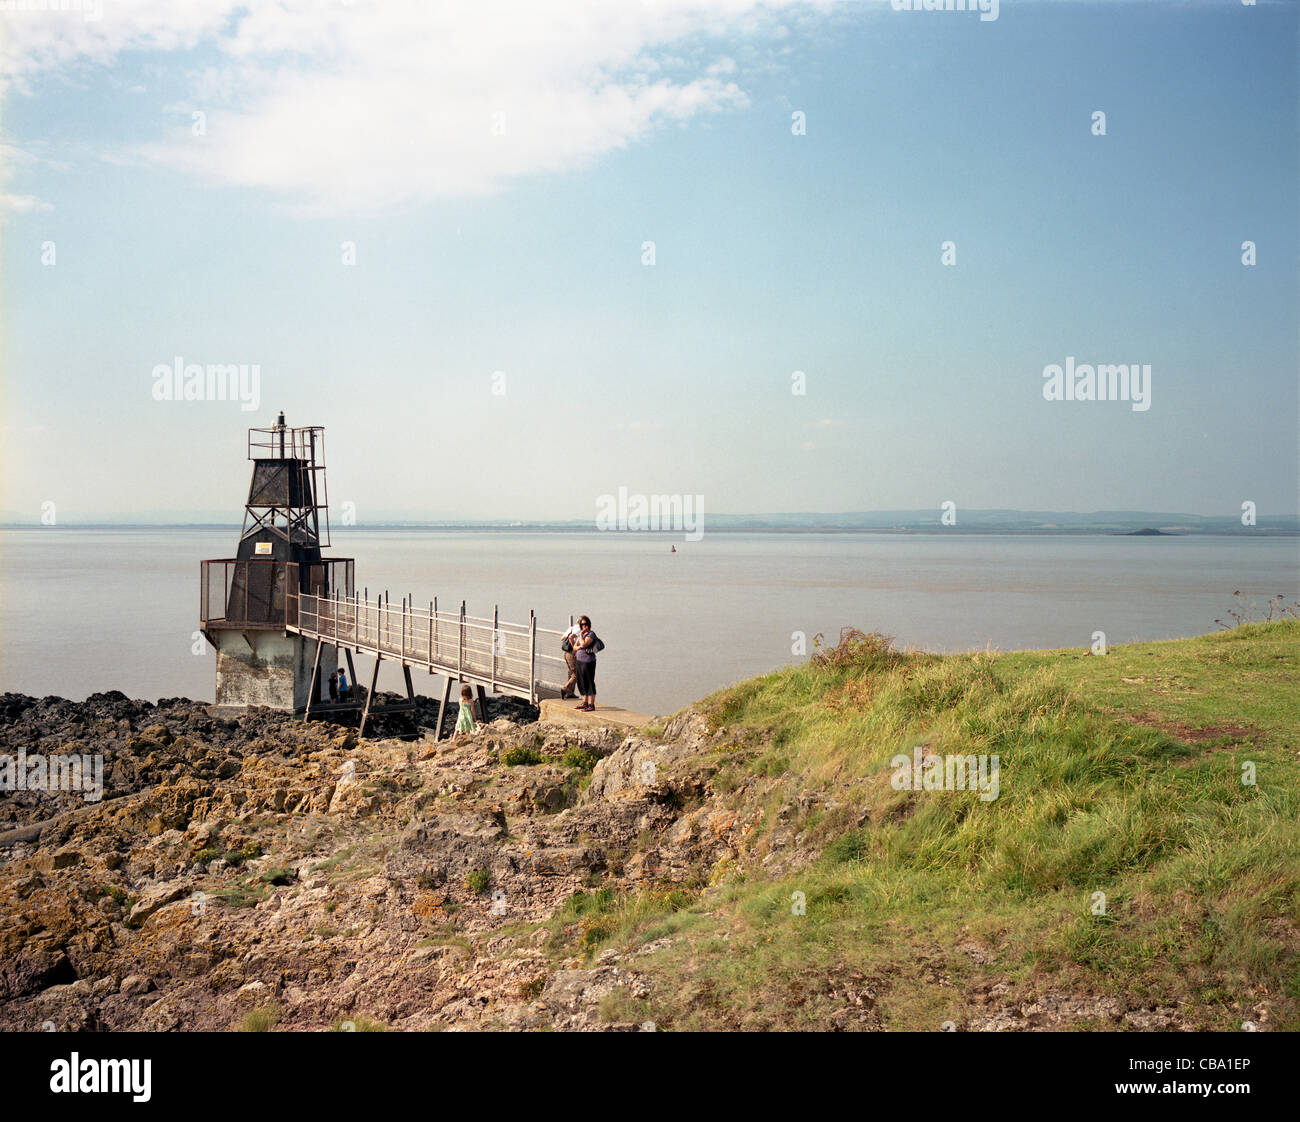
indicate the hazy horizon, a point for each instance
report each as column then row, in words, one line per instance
column 910, row 519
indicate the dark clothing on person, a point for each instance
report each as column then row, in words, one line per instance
column 585, row 647
column 586, row 668
column 334, row 687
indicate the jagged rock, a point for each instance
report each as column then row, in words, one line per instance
column 688, row 728
column 1056, row 1011
column 254, row 993
column 574, row 996
column 257, row 859
column 35, row 970
column 631, row 771
column 134, row 984
column 154, row 898
column 161, row 1016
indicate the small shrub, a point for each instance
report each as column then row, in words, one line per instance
column 580, row 757
column 522, row 755
column 246, row 852
column 596, row 930
column 848, row 847
column 478, row 881
column 262, row 1019
column 856, row 650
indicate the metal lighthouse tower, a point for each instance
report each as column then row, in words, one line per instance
column 249, row 601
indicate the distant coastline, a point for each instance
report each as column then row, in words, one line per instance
column 969, row 522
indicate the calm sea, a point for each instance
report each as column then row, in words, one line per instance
column 87, row 610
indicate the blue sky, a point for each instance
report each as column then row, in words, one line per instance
column 522, row 253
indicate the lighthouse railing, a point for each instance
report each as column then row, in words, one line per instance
column 263, row 592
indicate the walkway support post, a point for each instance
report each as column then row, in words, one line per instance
column 370, row 696
column 314, row 688
column 352, row 670
column 442, row 709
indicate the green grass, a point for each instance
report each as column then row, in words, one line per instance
column 262, row 1019
column 247, row 893
column 590, row 921
column 357, row 1023
column 1119, row 774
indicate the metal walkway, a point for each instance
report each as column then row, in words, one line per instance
column 519, row 659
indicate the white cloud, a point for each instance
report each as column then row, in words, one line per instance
column 340, row 107
column 22, row 204
column 12, row 158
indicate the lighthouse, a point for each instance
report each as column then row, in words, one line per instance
column 249, row 602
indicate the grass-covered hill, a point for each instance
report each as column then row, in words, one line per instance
column 1128, row 775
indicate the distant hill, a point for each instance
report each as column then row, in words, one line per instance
column 1147, row 523
column 1009, row 521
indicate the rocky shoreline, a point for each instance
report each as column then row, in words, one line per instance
column 259, row 867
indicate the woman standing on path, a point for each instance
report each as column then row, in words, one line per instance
column 585, row 647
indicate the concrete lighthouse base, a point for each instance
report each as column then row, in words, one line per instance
column 271, row 668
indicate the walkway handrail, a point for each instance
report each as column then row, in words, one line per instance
column 495, row 653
